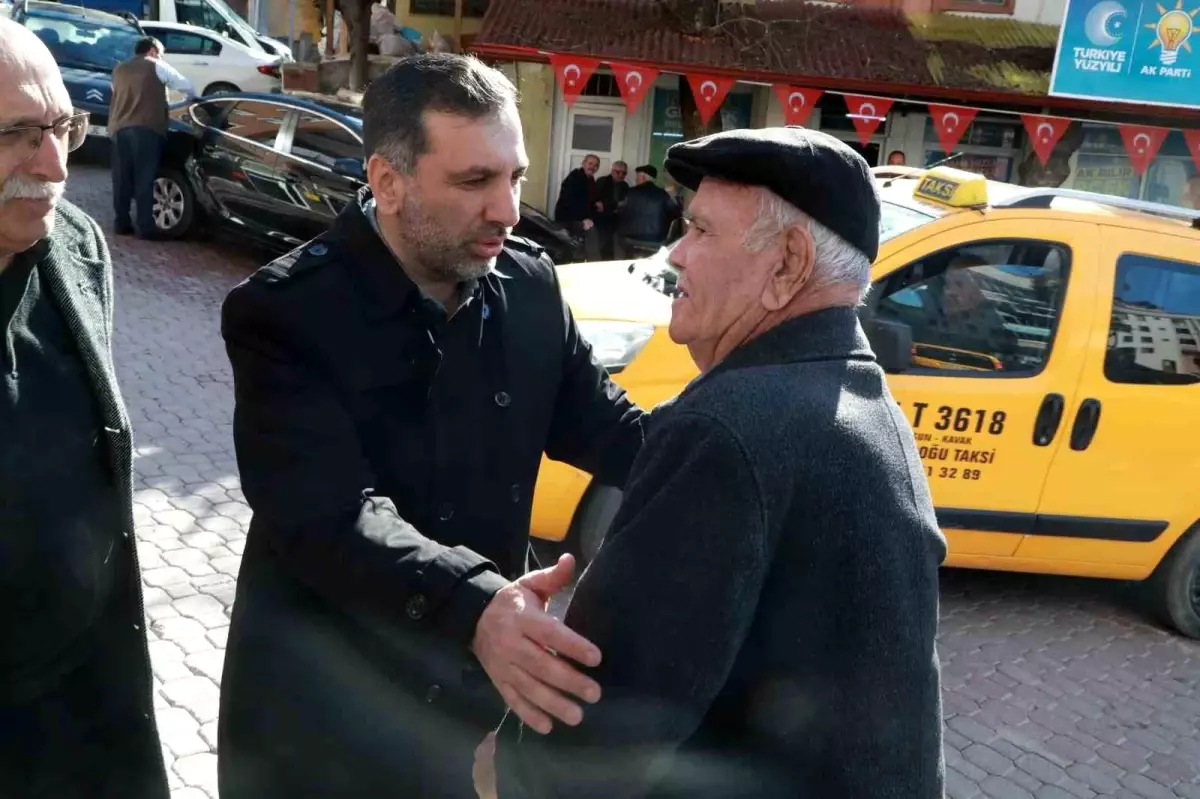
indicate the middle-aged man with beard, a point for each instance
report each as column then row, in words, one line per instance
column 767, row 597
column 398, row 380
column 76, row 713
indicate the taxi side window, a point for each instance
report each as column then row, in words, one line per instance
column 983, row 309
column 1154, row 333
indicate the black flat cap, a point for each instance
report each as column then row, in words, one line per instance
column 648, row 169
column 814, row 171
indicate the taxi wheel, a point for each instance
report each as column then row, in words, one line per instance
column 1177, row 584
column 593, row 517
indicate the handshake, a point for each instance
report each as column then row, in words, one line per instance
column 524, row 651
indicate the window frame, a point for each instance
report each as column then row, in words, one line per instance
column 273, row 146
column 876, row 296
column 293, row 121
column 1161, row 264
column 163, row 34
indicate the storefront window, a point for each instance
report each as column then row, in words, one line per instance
column 988, row 148
column 667, row 121
column 1103, row 166
column 1173, row 178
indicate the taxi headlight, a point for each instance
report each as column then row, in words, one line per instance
column 615, row 344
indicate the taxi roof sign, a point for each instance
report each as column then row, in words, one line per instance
column 952, row 187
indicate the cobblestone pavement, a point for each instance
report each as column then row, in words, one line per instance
column 1054, row 688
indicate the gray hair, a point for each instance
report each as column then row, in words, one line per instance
column 395, row 103
column 837, row 261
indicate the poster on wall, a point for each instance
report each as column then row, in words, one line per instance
column 1130, row 51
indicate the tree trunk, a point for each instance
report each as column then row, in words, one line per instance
column 689, row 114
column 1058, row 166
column 357, row 14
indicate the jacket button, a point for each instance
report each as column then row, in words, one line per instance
column 515, row 491
column 125, row 533
column 433, row 693
column 502, row 399
column 446, row 512
column 416, row 607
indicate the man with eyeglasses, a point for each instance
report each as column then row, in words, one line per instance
column 137, row 123
column 76, row 707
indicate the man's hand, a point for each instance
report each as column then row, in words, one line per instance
column 511, row 642
column 587, row 224
column 484, row 770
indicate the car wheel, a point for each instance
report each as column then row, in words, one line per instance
column 220, row 86
column 1176, row 584
column 174, row 204
column 593, row 517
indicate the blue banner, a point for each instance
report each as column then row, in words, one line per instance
column 1130, row 51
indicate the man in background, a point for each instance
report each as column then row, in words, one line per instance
column 137, row 124
column 76, row 709
column 646, row 219
column 576, row 205
column 611, row 190
column 896, row 158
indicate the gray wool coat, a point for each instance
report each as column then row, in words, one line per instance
column 766, row 601
column 76, row 272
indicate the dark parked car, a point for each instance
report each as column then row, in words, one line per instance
column 87, row 44
column 279, row 169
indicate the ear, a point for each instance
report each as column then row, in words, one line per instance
column 388, row 186
column 793, row 271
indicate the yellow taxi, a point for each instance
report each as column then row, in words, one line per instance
column 1069, row 443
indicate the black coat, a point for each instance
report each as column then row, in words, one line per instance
column 575, row 198
column 392, row 489
column 610, row 193
column 767, row 597
column 76, row 274
column 648, row 213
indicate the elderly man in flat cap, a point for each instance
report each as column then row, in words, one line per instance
column 766, row 600
column 76, row 710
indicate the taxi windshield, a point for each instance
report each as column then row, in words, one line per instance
column 896, row 219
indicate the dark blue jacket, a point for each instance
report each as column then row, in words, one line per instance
column 767, row 599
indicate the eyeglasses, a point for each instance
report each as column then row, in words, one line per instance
column 23, row 141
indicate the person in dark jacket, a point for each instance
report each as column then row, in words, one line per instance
column 767, row 596
column 610, row 192
column 576, row 209
column 76, row 708
column 398, row 380
column 645, row 221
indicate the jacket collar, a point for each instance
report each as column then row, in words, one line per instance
column 833, row 334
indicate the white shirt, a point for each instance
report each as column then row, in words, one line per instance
column 172, row 78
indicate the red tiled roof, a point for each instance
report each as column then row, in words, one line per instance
column 808, row 43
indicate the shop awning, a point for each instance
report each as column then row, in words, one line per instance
column 979, row 60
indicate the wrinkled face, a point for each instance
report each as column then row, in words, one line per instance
column 591, row 165
column 642, row 177
column 619, row 171
column 31, row 181
column 463, row 198
column 722, row 283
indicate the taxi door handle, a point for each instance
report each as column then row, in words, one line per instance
column 1045, row 427
column 1086, row 421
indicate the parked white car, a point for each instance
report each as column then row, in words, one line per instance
column 215, row 63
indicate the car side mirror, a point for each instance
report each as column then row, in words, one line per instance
column 350, row 167
column 892, row 343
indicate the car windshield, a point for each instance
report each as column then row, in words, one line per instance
column 84, row 43
column 657, row 271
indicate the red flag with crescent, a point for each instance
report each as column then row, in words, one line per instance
column 1142, row 143
column 573, row 72
column 709, row 92
column 635, row 83
column 1044, row 133
column 951, row 122
column 867, row 113
column 798, row 104
column 1192, row 137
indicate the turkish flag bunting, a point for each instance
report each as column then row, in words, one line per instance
column 635, row 83
column 709, row 92
column 1142, row 143
column 951, row 122
column 572, row 72
column 1044, row 133
column 867, row 113
column 1193, row 142
column 798, row 104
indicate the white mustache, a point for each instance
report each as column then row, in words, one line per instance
column 20, row 187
